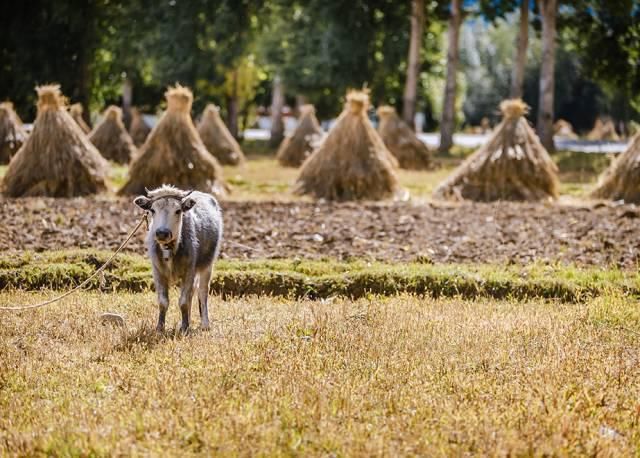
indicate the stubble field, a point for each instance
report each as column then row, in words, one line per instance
column 376, row 376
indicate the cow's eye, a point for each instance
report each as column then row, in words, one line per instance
column 152, row 211
column 178, row 211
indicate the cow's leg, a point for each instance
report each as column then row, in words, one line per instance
column 162, row 289
column 203, row 296
column 185, row 299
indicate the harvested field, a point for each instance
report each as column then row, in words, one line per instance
column 372, row 377
column 511, row 233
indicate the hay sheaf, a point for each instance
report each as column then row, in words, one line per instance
column 512, row 165
column 111, row 137
column 12, row 134
column 621, row 181
column 174, row 153
column 76, row 112
column 403, row 143
column 57, row 160
column 603, row 130
column 217, row 138
column 295, row 148
column 139, row 129
column 352, row 163
column 564, row 129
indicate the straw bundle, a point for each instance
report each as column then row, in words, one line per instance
column 296, row 147
column 410, row 152
column 564, row 129
column 111, row 138
column 218, row 139
column 352, row 162
column 174, row 153
column 621, row 181
column 12, row 134
column 76, row 112
column 512, row 165
column 603, row 131
column 57, row 159
column 139, row 129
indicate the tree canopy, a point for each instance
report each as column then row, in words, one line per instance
column 229, row 50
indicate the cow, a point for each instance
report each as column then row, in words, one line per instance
column 184, row 238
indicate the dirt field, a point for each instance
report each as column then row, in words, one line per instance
column 374, row 377
column 479, row 233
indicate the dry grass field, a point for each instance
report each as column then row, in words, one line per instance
column 274, row 377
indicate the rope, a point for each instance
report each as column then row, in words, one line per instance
column 84, row 283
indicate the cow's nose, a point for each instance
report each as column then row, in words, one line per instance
column 163, row 234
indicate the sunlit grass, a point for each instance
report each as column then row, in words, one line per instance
column 261, row 178
column 376, row 376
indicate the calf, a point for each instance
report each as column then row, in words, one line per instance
column 183, row 241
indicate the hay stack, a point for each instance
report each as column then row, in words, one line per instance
column 621, row 181
column 564, row 129
column 512, row 165
column 603, row 131
column 217, row 138
column 410, row 152
column 485, row 125
column 12, row 134
column 352, row 162
column 139, row 129
column 57, row 160
column 296, row 147
column 111, row 138
column 174, row 153
column 76, row 111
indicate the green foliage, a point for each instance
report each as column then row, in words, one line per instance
column 605, row 35
column 321, row 48
column 487, row 56
column 42, row 42
column 228, row 49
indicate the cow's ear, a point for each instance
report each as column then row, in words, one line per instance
column 143, row 202
column 187, row 204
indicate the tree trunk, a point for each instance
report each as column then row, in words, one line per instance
column 300, row 100
column 127, row 98
column 520, row 58
column 85, row 59
column 277, row 103
column 548, row 10
column 447, row 124
column 232, row 107
column 413, row 62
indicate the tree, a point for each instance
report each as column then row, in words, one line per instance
column 447, row 125
column 520, row 54
column 604, row 35
column 43, row 42
column 548, row 12
column 277, row 103
column 413, row 62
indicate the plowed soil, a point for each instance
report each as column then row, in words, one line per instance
column 476, row 233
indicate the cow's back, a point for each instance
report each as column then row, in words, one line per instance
column 206, row 222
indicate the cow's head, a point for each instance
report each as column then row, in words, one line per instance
column 166, row 206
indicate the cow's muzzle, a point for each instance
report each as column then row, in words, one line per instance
column 164, row 235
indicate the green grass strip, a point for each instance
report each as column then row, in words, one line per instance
column 60, row 270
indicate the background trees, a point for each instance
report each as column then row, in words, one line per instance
column 230, row 52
